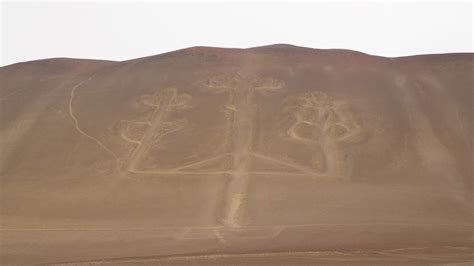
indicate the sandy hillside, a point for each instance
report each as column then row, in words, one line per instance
column 238, row 156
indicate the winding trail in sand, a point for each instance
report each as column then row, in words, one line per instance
column 76, row 122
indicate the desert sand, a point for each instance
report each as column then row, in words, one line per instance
column 274, row 155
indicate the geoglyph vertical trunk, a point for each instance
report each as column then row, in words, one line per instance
column 242, row 140
column 242, row 90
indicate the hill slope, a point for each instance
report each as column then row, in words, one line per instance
column 211, row 150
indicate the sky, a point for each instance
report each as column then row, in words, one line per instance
column 125, row 30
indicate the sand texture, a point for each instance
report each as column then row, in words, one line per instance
column 274, row 155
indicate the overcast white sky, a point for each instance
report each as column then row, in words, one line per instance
column 119, row 31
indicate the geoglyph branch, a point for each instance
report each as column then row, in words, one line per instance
column 328, row 123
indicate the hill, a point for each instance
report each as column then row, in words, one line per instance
column 221, row 151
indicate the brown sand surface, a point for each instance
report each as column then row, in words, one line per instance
column 274, row 155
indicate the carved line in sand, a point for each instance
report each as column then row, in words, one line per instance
column 223, row 234
column 389, row 255
column 78, row 128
